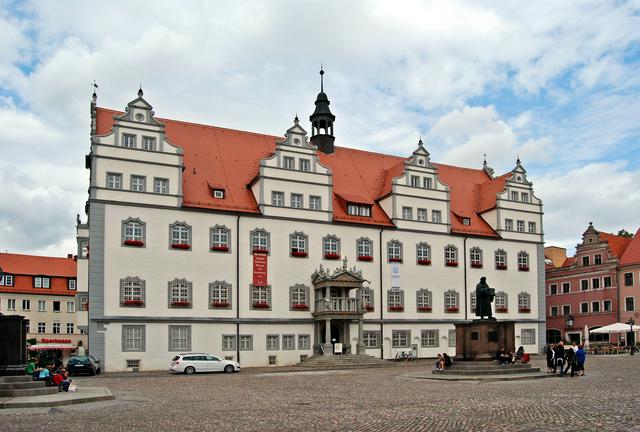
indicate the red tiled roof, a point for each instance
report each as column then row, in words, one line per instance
column 37, row 265
column 617, row 243
column 569, row 262
column 632, row 254
column 218, row 156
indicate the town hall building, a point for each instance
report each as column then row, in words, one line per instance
column 268, row 250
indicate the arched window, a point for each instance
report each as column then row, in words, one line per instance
column 424, row 300
column 133, row 232
column 394, row 251
column 451, row 303
column 364, row 249
column 259, row 241
column 524, row 302
column 451, row 256
column 180, row 294
column 220, row 295
column 423, row 253
column 132, row 292
column 501, row 302
column 475, row 255
column 501, row 259
column 523, row 261
column 298, row 244
column 219, row 239
column 331, row 247
column 179, row 236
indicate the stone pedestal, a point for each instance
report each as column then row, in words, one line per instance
column 13, row 351
column 480, row 339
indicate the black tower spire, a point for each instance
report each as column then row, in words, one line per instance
column 322, row 121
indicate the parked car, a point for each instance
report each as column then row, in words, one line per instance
column 85, row 364
column 191, row 363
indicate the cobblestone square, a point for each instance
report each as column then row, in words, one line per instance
column 385, row 399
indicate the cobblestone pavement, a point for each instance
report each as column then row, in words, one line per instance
column 387, row 399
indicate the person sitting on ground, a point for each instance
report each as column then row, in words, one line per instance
column 65, row 381
column 560, row 358
column 520, row 353
column 57, row 378
column 503, row 357
column 31, row 367
column 439, row 364
column 581, row 357
column 45, row 375
column 447, row 362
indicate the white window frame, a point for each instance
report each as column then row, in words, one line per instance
column 179, row 338
column 297, row 200
column 532, row 227
column 315, row 202
column 400, row 338
column 259, row 239
column 364, row 247
column 148, row 143
column 161, row 185
column 423, row 252
column 288, row 162
column 421, row 215
column 42, row 305
column 128, row 141
column 429, row 338
column 508, row 224
column 407, row 213
column 277, row 199
column 450, row 254
column 394, row 251
column 528, row 336
column 436, row 216
column 330, row 245
column 138, row 183
column 114, row 181
column 219, row 237
column 304, row 165
column 519, row 226
column 475, row 256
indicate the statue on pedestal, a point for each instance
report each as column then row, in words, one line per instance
column 484, row 297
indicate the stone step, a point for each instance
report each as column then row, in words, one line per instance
column 28, row 392
column 14, row 379
column 21, row 385
column 466, row 366
column 503, row 371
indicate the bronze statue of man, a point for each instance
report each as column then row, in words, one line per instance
column 484, row 297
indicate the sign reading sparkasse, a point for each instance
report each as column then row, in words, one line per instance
column 259, row 269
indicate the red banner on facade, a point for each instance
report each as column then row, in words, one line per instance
column 259, row 269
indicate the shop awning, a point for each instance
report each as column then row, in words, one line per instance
column 52, row 346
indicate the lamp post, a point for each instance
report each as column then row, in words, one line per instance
column 568, row 322
column 631, row 342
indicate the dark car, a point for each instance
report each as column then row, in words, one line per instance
column 87, row 364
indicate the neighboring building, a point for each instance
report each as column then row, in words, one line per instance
column 209, row 239
column 43, row 290
column 629, row 277
column 584, row 288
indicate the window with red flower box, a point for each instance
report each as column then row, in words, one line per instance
column 331, row 247
column 523, row 261
column 136, row 243
column 451, row 263
column 475, row 257
column 365, row 258
column 424, row 300
column 299, row 297
column 395, row 300
column 424, row 262
column 394, row 251
column 423, row 254
column 451, row 301
column 179, row 291
column 133, row 232
column 502, row 302
column 501, row 259
column 132, row 292
column 524, row 302
column 260, row 240
column 180, row 236
column 219, row 239
column 451, row 256
column 220, row 295
column 367, row 299
column 260, row 297
column 364, row 249
column 298, row 244
column 453, row 309
column 332, row 256
column 501, row 310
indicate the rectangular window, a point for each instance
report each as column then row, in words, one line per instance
column 138, row 183
column 628, row 279
column 595, row 283
column 597, row 259
column 566, row 287
column 407, row 213
column 273, row 342
column 260, row 297
column 520, row 226
column 584, row 308
column 595, row 306
column 42, row 306
column 607, row 306
column 288, row 162
column 56, row 306
column 277, row 199
column 114, row 181
column 305, row 165
column 566, row 310
column 161, row 185
column 629, row 304
column 71, row 284
column 304, row 342
column 528, row 336
column 133, row 337
column 296, row 200
column 422, row 215
column 246, row 343
column 524, row 197
column 452, row 338
column 352, row 209
column 56, row 328
column 429, row 338
column 288, row 342
column 148, row 143
column 426, row 182
column 400, row 338
column 228, row 342
column 532, row 227
column 315, row 202
column 370, row 339
column 508, row 224
column 179, row 338
column 26, row 304
column 415, row 181
column 42, row 327
column 553, row 289
column 584, row 284
column 436, row 216
column 69, row 328
column 6, row 280
column 514, row 196
column 11, row 304
column 71, row 307
column 607, row 281
column 365, row 211
column 585, row 261
column 129, row 141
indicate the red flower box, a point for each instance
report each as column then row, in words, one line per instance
column 424, row 308
column 453, row 309
column 220, row 248
column 183, row 246
column 476, row 265
column 368, row 308
column 332, row 256
column 523, row 268
column 132, row 303
column 524, row 310
column 136, row 243
column 303, row 307
column 396, row 260
column 262, row 251
column 501, row 266
column 260, row 305
column 365, row 258
column 424, row 262
column 220, row 304
column 451, row 263
column 502, row 310
column 396, row 308
column 180, row 304
column 298, row 254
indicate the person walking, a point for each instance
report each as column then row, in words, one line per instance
column 560, row 358
column 571, row 362
column 551, row 359
column 581, row 357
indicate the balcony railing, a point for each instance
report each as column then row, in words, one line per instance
column 339, row 304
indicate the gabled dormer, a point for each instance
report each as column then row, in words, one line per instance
column 417, row 199
column 135, row 162
column 292, row 182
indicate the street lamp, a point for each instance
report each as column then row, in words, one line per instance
column 568, row 323
column 631, row 323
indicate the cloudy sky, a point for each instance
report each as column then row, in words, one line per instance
column 555, row 83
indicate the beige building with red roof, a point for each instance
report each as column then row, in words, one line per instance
column 629, row 275
column 215, row 240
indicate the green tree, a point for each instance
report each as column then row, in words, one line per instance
column 624, row 233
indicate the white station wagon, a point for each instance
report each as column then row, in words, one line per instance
column 191, row 363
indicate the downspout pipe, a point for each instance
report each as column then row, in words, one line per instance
column 381, row 296
column 238, row 288
column 466, row 296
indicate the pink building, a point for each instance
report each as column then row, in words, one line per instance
column 582, row 291
column 629, row 276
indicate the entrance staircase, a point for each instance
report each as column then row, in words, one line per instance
column 345, row 361
column 486, row 371
column 20, row 386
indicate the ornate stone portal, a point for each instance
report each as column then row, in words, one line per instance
column 338, row 303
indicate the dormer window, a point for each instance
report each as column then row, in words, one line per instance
column 218, row 193
column 288, row 162
column 305, row 165
column 466, row 221
column 359, row 209
column 129, row 141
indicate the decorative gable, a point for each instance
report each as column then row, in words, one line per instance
column 295, row 136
